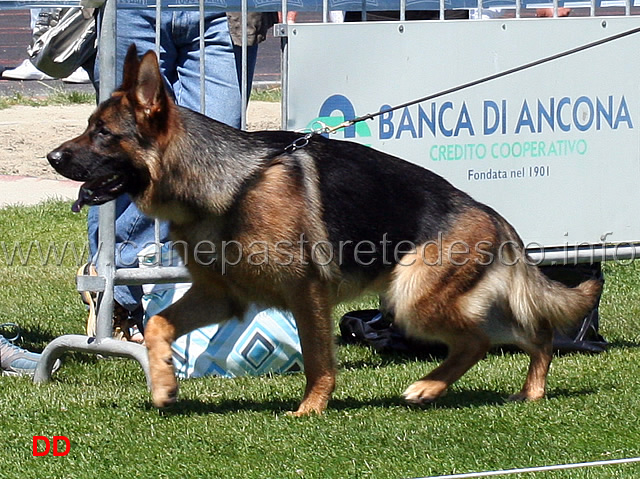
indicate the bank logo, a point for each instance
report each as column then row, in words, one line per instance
column 337, row 109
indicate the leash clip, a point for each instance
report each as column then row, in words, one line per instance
column 304, row 140
column 299, row 143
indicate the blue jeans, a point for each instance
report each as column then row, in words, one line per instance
column 180, row 65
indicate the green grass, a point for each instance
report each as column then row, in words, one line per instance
column 269, row 94
column 237, row 428
column 60, row 97
column 54, row 98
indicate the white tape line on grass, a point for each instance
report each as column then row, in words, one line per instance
column 536, row 469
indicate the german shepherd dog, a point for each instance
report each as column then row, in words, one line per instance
column 304, row 230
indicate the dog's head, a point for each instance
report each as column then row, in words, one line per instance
column 124, row 139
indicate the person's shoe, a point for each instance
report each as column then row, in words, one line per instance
column 15, row 361
column 25, row 71
column 124, row 327
column 90, row 299
column 78, row 76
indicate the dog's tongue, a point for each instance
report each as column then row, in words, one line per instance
column 80, row 202
column 77, row 206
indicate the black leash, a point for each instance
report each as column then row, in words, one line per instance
column 304, row 140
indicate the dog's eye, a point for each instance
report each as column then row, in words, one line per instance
column 101, row 129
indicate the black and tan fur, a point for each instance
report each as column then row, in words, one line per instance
column 217, row 184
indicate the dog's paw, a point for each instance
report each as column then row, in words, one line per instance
column 424, row 392
column 311, row 405
column 307, row 411
column 526, row 396
column 304, row 413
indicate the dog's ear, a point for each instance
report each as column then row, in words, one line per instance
column 149, row 91
column 131, row 66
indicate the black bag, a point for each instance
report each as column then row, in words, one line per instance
column 373, row 328
column 585, row 337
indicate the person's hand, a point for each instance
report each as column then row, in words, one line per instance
column 548, row 12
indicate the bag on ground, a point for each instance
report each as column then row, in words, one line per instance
column 264, row 340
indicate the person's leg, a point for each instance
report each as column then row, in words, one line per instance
column 252, row 56
column 137, row 26
column 222, row 98
column 133, row 230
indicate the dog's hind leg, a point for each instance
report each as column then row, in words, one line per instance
column 540, row 350
column 429, row 296
column 428, row 303
column 311, row 308
column 198, row 307
column 465, row 350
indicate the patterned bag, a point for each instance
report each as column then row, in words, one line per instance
column 263, row 341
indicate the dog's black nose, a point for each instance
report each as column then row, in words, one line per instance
column 57, row 158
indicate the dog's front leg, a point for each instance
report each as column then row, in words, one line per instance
column 198, row 307
column 313, row 317
column 159, row 334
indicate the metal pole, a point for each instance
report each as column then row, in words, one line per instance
column 105, row 262
column 156, row 223
column 592, row 253
column 285, row 11
column 158, row 23
column 203, row 64
column 284, row 65
column 245, row 63
column 107, row 63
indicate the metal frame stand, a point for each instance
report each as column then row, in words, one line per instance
column 108, row 275
column 103, row 343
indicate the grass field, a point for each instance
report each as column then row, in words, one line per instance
column 55, row 98
column 76, row 97
column 237, row 428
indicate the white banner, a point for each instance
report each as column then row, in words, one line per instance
column 555, row 148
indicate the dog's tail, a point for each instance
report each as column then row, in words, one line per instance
column 535, row 299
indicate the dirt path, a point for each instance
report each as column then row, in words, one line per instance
column 28, row 133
